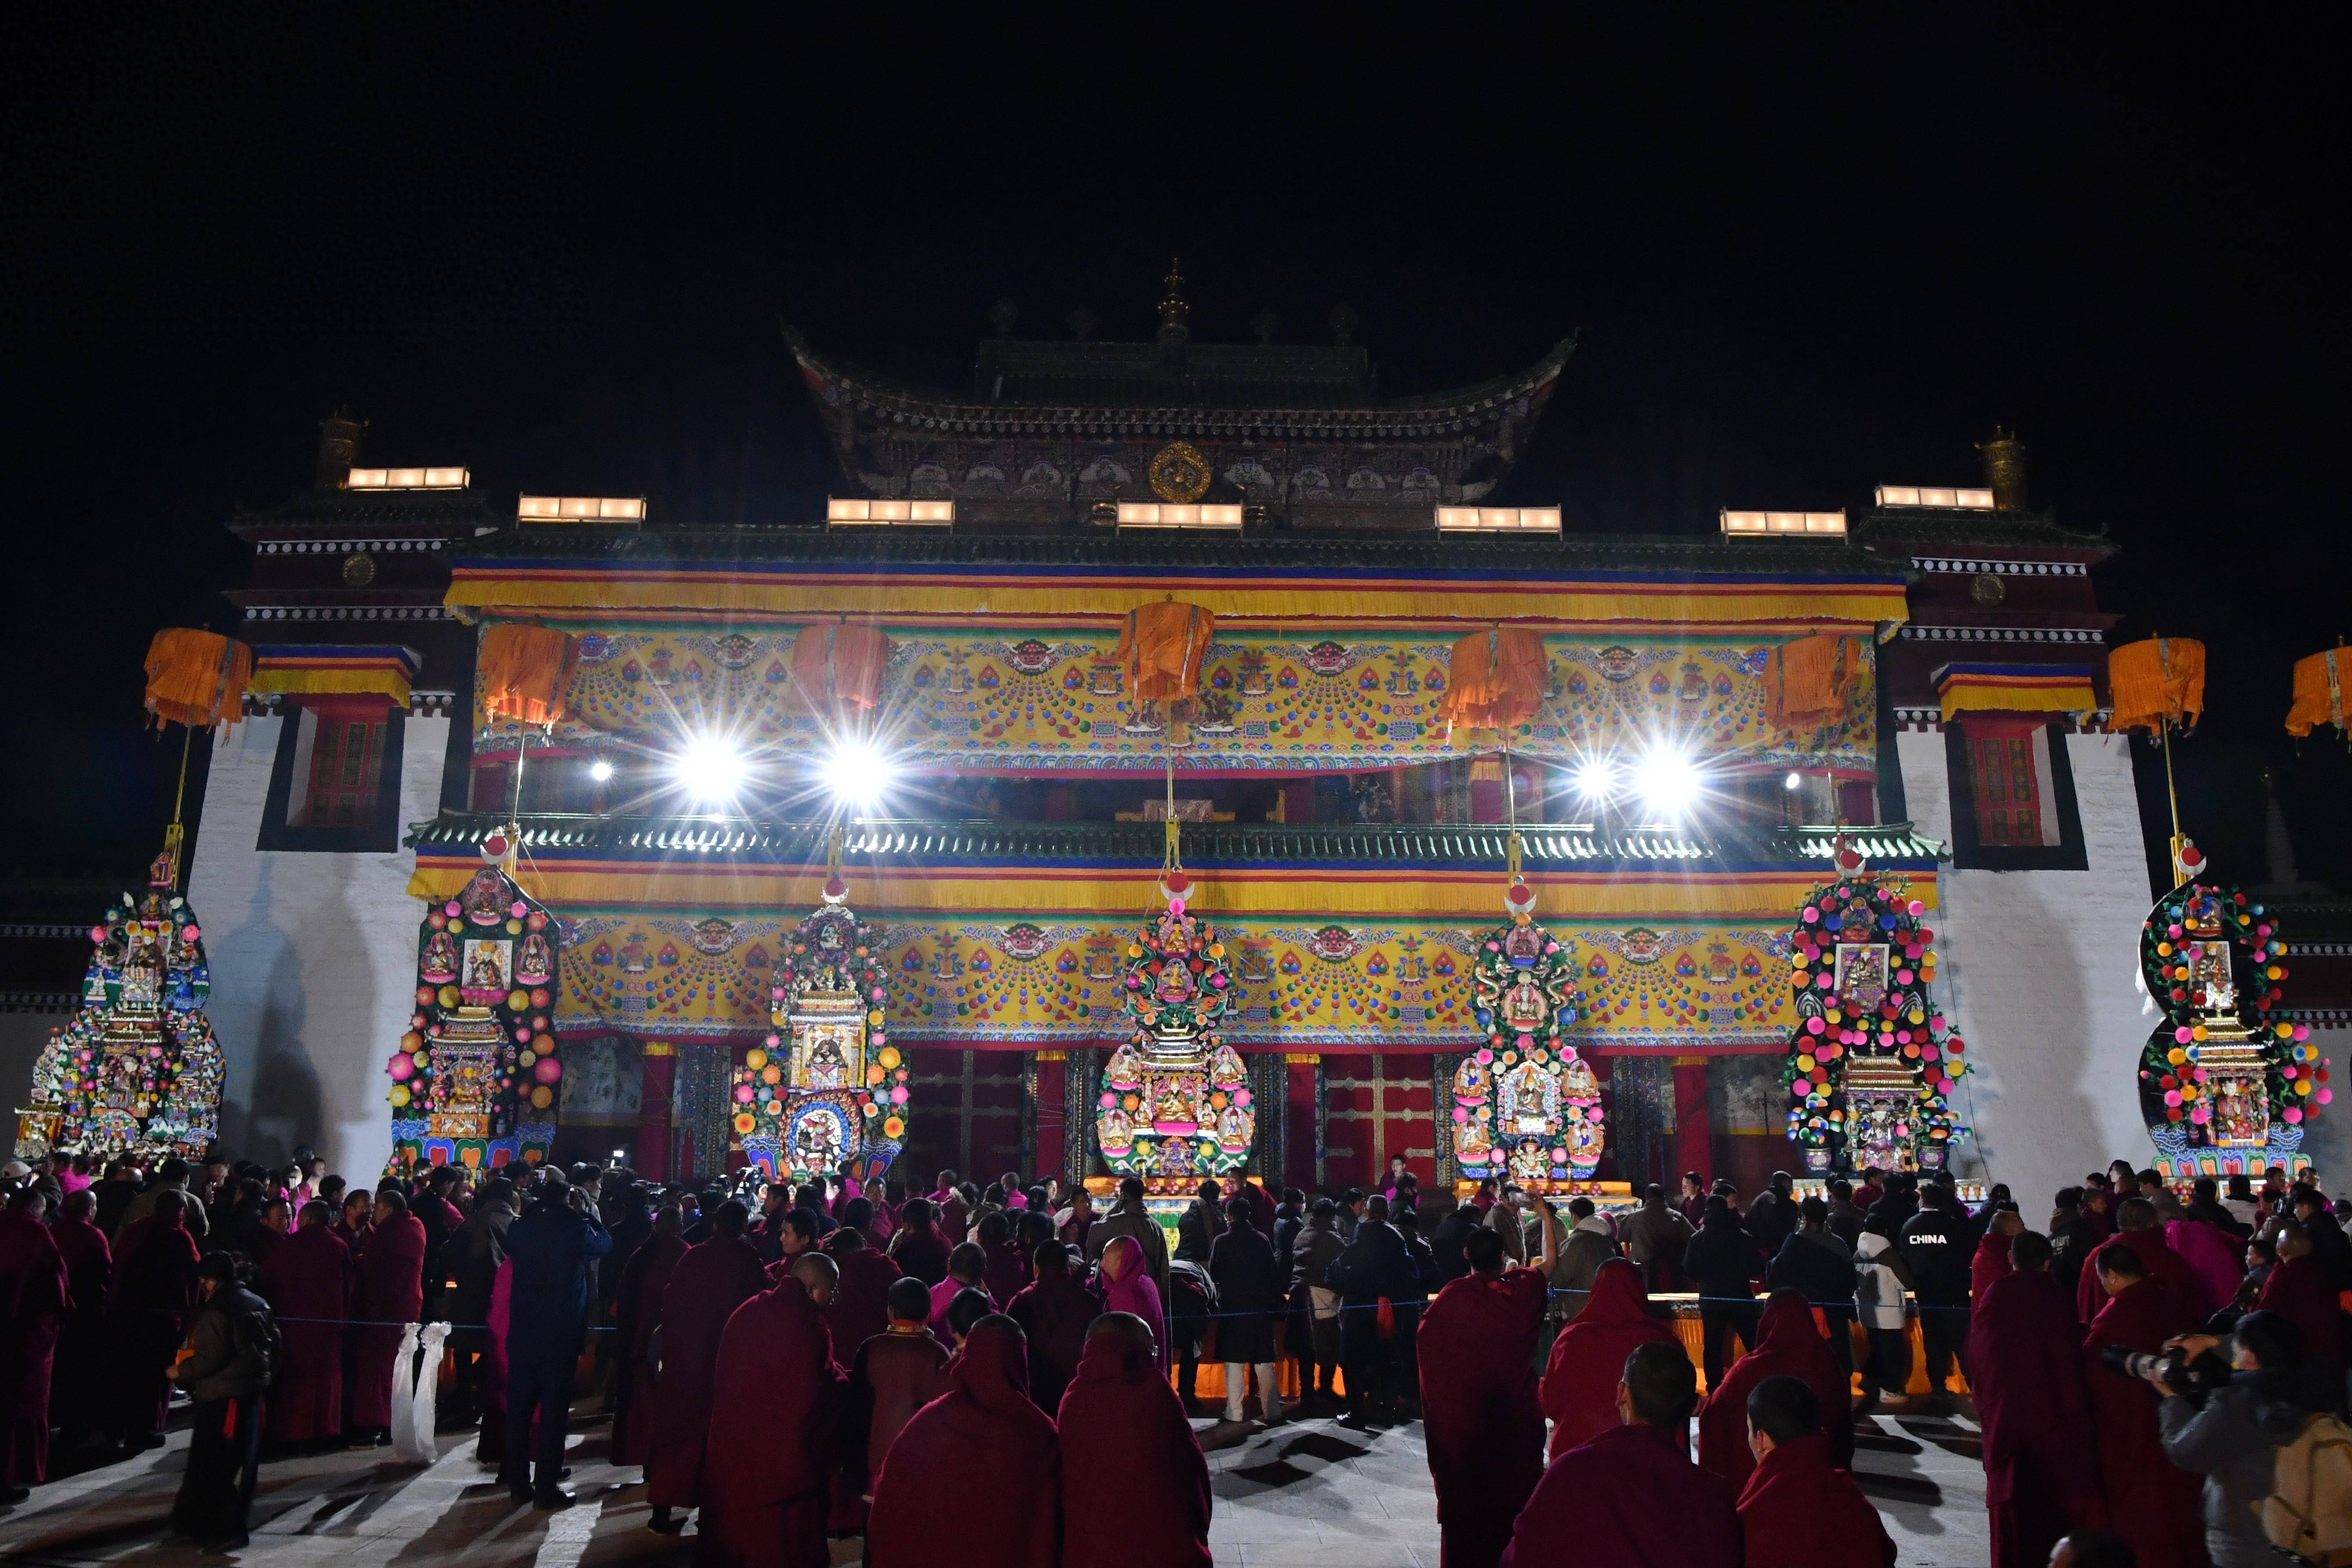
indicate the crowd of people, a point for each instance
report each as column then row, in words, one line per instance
column 890, row 1347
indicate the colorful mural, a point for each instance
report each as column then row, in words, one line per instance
column 1053, row 700
column 1396, row 985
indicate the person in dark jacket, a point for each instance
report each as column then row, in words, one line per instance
column 1314, row 1332
column 1288, row 1216
column 1447, row 1243
column 1772, row 1217
column 919, row 1250
column 1654, row 1237
column 1939, row 1249
column 1408, row 1317
column 1845, row 1215
column 2073, row 1237
column 1815, row 1261
column 1374, row 1274
column 1203, row 1221
column 1249, row 1298
column 1723, row 1264
column 552, row 1250
column 231, row 1352
column 2233, row 1434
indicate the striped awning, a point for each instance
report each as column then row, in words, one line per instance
column 319, row 669
column 2014, row 688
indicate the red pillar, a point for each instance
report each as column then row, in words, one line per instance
column 1302, row 1122
column 652, row 1158
column 1053, row 1132
column 1691, row 1149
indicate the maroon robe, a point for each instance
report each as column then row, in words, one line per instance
column 1990, row 1263
column 34, row 1298
column 2156, row 1508
column 2026, row 1373
column 1629, row 1499
column 775, row 1404
column 148, row 1305
column 1054, row 1313
column 79, row 1377
column 897, row 1375
column 1483, row 1423
column 1798, row 1510
column 1788, row 1344
column 636, row 1314
column 1008, row 1273
column 860, row 1308
column 2298, row 1290
column 307, row 1283
column 708, row 1283
column 1145, row 1503
column 984, row 1441
column 391, row 1294
column 1579, row 1392
column 2159, row 1263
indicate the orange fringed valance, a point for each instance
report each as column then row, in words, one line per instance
column 2158, row 682
column 840, row 662
column 1162, row 647
column 198, row 678
column 1806, row 681
column 1495, row 679
column 2319, row 692
column 525, row 672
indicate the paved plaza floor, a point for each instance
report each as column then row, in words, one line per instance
column 1306, row 1495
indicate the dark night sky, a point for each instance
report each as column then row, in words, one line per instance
column 1806, row 257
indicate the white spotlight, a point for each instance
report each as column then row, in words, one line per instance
column 1668, row 782
column 709, row 768
column 1596, row 779
column 600, row 770
column 1794, row 780
column 857, row 772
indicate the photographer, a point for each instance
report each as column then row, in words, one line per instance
column 2231, row 1435
column 2151, row 1503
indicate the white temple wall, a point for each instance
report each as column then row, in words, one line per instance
column 2038, row 976
column 313, row 958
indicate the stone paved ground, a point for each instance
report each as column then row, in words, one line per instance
column 1309, row 1495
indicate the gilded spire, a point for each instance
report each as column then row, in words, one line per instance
column 1174, row 313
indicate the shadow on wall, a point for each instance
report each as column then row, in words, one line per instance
column 282, row 1110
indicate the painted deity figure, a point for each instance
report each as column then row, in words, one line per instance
column 1528, row 1162
column 1473, row 1142
column 439, row 964
column 817, row 1142
column 1525, row 1005
column 536, row 962
column 142, row 969
column 1584, row 1141
column 1233, row 1129
column 486, row 973
column 826, row 1069
column 1176, row 1103
column 485, row 898
column 1862, row 973
column 1523, row 945
column 1116, row 1130
column 1471, row 1081
column 1176, row 986
column 1126, row 1068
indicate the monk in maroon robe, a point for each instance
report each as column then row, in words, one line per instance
column 1479, row 1414
column 150, row 1299
column 390, row 1294
column 33, row 1303
column 2156, row 1508
column 861, row 1306
column 1054, row 1313
column 2298, row 1290
column 2139, row 1229
column 1798, row 1510
column 1632, row 1496
column 1788, row 1344
column 1579, row 1392
column 80, row 1378
column 1145, row 1502
column 708, row 1283
column 985, row 1439
column 775, row 1406
column 636, row 1314
column 1991, row 1261
column 307, row 1283
column 2025, row 1370
column 895, row 1374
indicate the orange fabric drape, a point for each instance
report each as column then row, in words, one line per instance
column 198, row 678
column 1806, row 682
column 1495, row 679
column 525, row 672
column 840, row 661
column 1162, row 646
column 2156, row 681
column 2319, row 683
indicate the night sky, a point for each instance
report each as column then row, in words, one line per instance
column 1805, row 258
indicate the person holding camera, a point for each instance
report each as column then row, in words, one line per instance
column 2151, row 1503
column 2228, row 1405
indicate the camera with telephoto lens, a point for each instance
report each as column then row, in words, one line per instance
column 2189, row 1378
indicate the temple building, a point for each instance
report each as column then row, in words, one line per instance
column 994, row 832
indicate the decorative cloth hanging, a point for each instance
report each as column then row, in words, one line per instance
column 332, row 669
column 198, row 678
column 2014, row 688
column 840, row 662
column 1495, row 679
column 2319, row 692
column 2157, row 683
column 1162, row 649
column 525, row 670
column 1807, row 681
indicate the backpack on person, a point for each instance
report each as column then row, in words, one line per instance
column 2308, row 1515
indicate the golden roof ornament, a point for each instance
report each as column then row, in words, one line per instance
column 1179, row 473
column 1174, row 313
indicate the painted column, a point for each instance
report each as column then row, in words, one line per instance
column 652, row 1157
column 1048, row 1083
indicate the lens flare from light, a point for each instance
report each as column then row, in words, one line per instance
column 600, row 770
column 1668, row 782
column 1596, row 780
column 1794, row 780
column 709, row 769
column 857, row 772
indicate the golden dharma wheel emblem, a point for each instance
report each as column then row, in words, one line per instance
column 1179, row 472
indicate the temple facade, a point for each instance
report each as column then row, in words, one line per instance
column 1355, row 856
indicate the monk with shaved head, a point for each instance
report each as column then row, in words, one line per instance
column 764, row 1501
column 1145, row 1503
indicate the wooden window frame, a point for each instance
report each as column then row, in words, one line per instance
column 2058, row 808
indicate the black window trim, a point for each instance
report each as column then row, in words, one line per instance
column 1971, row 853
column 378, row 835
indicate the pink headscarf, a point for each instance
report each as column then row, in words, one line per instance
column 1128, row 1287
